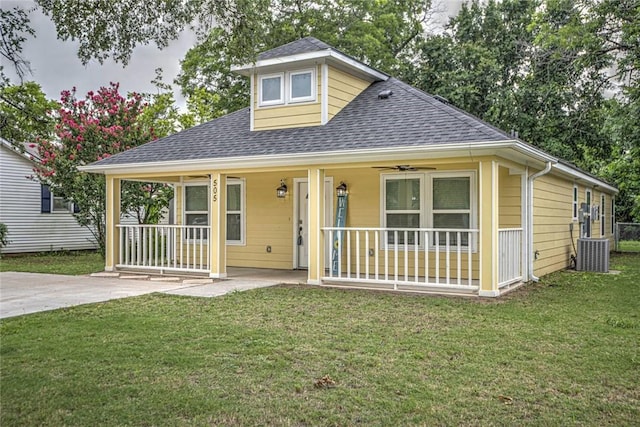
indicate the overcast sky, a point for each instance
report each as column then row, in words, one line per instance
column 56, row 66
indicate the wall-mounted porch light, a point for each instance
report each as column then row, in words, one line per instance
column 281, row 191
column 341, row 190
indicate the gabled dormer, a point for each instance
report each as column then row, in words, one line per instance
column 303, row 83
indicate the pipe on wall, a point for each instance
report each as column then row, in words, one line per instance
column 530, row 253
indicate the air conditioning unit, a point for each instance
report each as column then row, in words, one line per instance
column 593, row 255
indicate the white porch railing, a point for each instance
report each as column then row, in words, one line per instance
column 164, row 247
column 398, row 257
column 510, row 256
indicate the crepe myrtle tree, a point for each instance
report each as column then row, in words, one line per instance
column 102, row 124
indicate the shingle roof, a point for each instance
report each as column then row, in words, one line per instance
column 307, row 44
column 409, row 118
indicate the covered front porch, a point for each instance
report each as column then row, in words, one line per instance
column 401, row 231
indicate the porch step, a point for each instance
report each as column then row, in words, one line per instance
column 165, row 279
column 197, row 281
column 105, row 274
column 135, row 277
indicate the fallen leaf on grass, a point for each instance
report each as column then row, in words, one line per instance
column 324, row 382
column 506, row 400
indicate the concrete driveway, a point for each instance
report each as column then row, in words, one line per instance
column 23, row 293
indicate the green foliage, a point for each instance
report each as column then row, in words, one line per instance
column 92, row 129
column 4, row 235
column 25, row 113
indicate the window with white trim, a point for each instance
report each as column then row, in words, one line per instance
column 586, row 232
column 235, row 212
column 50, row 203
column 271, row 89
column 575, row 203
column 301, row 86
column 196, row 209
column 403, row 204
column 602, row 217
column 450, row 204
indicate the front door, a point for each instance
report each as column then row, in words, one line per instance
column 302, row 221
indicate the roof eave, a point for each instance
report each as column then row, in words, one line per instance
column 325, row 54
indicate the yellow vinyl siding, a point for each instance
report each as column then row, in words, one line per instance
column 509, row 199
column 269, row 222
column 343, row 88
column 288, row 115
column 552, row 214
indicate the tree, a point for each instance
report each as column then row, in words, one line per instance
column 25, row 113
column 90, row 129
column 14, row 29
column 378, row 33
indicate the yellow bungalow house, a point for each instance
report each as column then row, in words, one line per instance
column 438, row 200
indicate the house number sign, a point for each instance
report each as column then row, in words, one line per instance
column 214, row 190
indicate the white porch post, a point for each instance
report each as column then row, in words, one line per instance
column 489, row 219
column 112, row 243
column 316, row 222
column 218, row 223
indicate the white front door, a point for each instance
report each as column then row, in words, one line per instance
column 301, row 235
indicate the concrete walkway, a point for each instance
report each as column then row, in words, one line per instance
column 23, row 293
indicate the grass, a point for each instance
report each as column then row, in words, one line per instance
column 629, row 246
column 73, row 263
column 560, row 352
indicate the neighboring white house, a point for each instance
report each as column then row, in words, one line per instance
column 37, row 220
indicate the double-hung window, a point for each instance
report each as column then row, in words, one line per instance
column 196, row 210
column 235, row 211
column 271, row 89
column 439, row 200
column 403, row 205
column 50, row 203
column 451, row 205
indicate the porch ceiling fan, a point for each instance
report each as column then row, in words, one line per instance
column 404, row 168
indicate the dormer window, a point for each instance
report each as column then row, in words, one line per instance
column 272, row 89
column 299, row 86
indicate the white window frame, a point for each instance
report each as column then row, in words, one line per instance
column 383, row 201
column 279, row 101
column 575, row 206
column 588, row 224
column 602, row 216
column 184, row 207
column 242, row 211
column 312, row 96
column 426, row 202
column 473, row 214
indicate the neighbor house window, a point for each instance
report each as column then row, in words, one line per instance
column 602, row 217
column 271, row 89
column 402, row 205
column 451, row 205
column 301, row 85
column 50, row 203
column 196, row 209
column 575, row 203
column 235, row 211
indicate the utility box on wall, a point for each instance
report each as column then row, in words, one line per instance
column 593, row 255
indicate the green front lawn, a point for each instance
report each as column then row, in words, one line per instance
column 561, row 352
column 73, row 263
